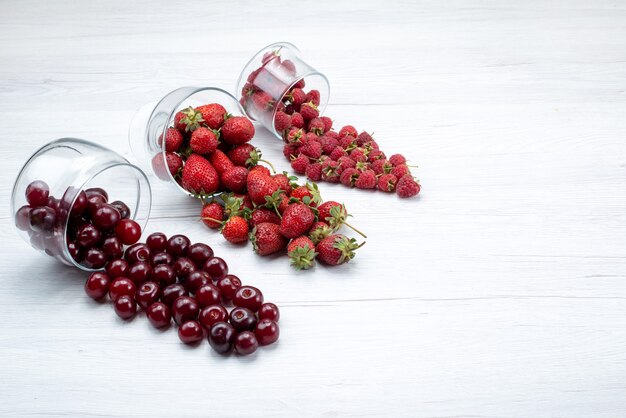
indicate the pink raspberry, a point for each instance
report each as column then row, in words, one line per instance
column 329, row 171
column 282, row 121
column 296, row 96
column 314, row 171
column 328, row 144
column 407, row 187
column 337, row 153
column 381, row 166
column 387, row 182
column 397, row 159
column 375, row 155
column 297, row 120
column 328, row 123
column 366, row 180
column 347, row 142
column 358, row 155
column 291, row 150
column 313, row 96
column 346, row 162
column 309, row 111
column 348, row 130
column 363, row 138
column 332, row 134
column 295, row 135
column 312, row 149
column 300, row 163
column 316, row 125
column 349, row 176
column 400, row 171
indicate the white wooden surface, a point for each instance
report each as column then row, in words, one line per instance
column 500, row 292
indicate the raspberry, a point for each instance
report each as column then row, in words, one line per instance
column 309, row 111
column 313, row 96
column 314, row 171
column 282, row 121
column 346, row 162
column 381, row 166
column 407, row 187
column 316, row 125
column 348, row 130
column 329, row 171
column 337, row 153
column 297, row 120
column 400, row 171
column 290, row 150
column 374, row 155
column 332, row 134
column 366, row 180
column 387, row 182
column 312, row 149
column 328, row 144
column 363, row 138
column 358, row 155
column 347, row 142
column 296, row 96
column 397, row 159
column 300, row 163
column 349, row 176
column 328, row 123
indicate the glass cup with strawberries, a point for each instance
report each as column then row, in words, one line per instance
column 184, row 137
column 80, row 202
column 280, row 90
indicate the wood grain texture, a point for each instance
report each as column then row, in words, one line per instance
column 499, row 292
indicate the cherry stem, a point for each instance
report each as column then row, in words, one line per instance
column 354, row 229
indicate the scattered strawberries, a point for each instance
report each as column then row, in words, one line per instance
column 301, row 251
column 310, row 138
column 336, row 249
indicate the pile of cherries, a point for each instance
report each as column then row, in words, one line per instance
column 173, row 278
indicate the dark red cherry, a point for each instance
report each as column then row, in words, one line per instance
column 37, row 193
column 242, row 319
column 163, row 274
column 120, row 287
column 216, row 267
column 80, row 203
column 88, row 236
column 147, row 294
column 269, row 311
column 42, row 219
column 266, row 331
column 183, row 268
column 161, row 258
column 190, row 332
column 22, row 218
column 159, row 315
column 199, row 253
column 137, row 252
column 207, row 295
column 178, row 245
column 97, row 285
column 248, row 297
column 75, row 251
column 94, row 259
column 105, row 216
column 128, row 231
column 125, row 307
column 222, row 337
column 117, row 268
column 212, row 315
column 139, row 272
column 196, row 279
column 246, row 343
column 93, row 191
column 122, row 208
column 173, row 292
column 157, row 241
column 228, row 286
column 185, row 308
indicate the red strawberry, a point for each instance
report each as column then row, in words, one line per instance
column 213, row 115
column 337, row 153
column 407, row 187
column 259, row 169
column 314, row 97
column 316, row 125
column 235, row 230
column 347, row 130
column 397, row 159
column 259, row 186
column 188, row 120
column 284, row 183
column 400, row 170
column 308, row 194
column 267, row 239
column 312, row 149
column 328, row 123
column 282, row 121
column 296, row 96
column 297, row 121
column 203, row 141
column 220, row 161
column 297, row 220
column 212, row 212
column 366, row 180
column 237, row 130
column 300, row 163
column 335, row 215
column 199, row 176
column 387, row 183
column 261, row 215
column 240, row 154
column 314, row 172
column 301, row 251
column 309, row 111
column 172, row 163
column 336, row 249
column 173, row 140
column 319, row 231
column 349, row 176
column 235, row 179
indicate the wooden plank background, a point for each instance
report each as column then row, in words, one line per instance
column 499, row 292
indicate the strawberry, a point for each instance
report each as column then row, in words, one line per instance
column 328, row 123
column 309, row 111
column 335, row 215
column 212, row 212
column 397, row 159
column 316, row 125
column 259, row 186
column 235, row 179
column 319, row 231
column 261, row 215
column 300, row 163
column 336, row 249
column 313, row 96
column 366, row 180
column 301, row 251
column 235, row 230
column 188, row 120
column 173, row 140
column 233, row 204
column 328, row 144
column 381, row 166
column 240, row 154
column 237, row 130
column 220, row 161
column 296, row 96
column 337, row 153
column 203, row 141
column 297, row 220
column 199, row 176
column 246, row 203
column 297, row 120
column 267, row 239
column 308, row 194
column 312, row 149
column 260, row 170
column 282, row 121
column 284, row 182
column 314, row 172
column 213, row 114
column 407, row 187
column 347, row 130
column 349, row 176
column 400, row 170
column 173, row 163
column 387, row 183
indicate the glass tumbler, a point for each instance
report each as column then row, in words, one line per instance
column 268, row 78
column 68, row 166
